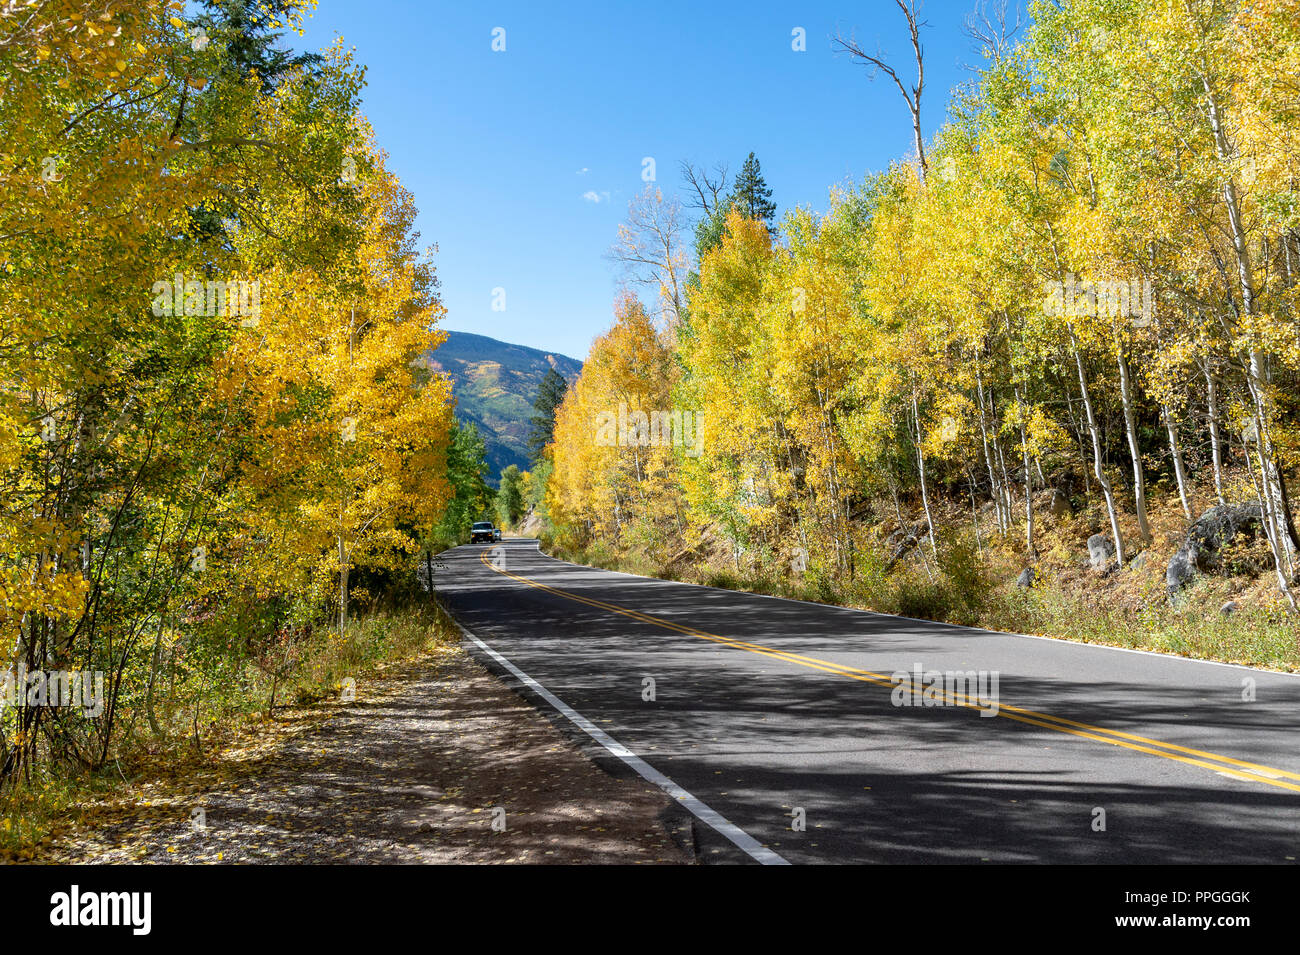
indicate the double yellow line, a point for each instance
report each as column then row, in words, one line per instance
column 1237, row 768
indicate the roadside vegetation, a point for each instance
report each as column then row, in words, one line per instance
column 1040, row 376
column 225, row 466
column 977, row 588
column 208, row 720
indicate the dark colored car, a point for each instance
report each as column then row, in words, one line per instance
column 483, row 533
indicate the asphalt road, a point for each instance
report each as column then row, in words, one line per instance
column 764, row 707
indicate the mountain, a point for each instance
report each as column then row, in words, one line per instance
column 495, row 384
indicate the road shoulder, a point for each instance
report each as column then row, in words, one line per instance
column 436, row 761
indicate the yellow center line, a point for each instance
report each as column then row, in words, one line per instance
column 1253, row 772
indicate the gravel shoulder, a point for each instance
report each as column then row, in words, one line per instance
column 436, row 761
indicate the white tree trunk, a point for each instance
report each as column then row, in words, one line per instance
column 1099, row 470
column 1130, row 429
column 994, row 490
column 1029, row 479
column 1180, row 472
column 920, row 460
column 343, row 586
column 1216, row 450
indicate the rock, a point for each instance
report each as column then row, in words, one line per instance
column 900, row 549
column 1181, row 569
column 1100, row 551
column 1230, row 608
column 903, row 541
column 1138, row 562
column 1027, row 578
column 1202, row 551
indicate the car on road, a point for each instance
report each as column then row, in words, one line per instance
column 483, row 533
column 496, row 533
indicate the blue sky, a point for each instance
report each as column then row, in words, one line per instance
column 499, row 148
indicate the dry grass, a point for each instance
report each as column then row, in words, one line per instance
column 29, row 813
column 974, row 584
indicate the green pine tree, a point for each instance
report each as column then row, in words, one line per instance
column 752, row 195
column 248, row 30
column 542, row 424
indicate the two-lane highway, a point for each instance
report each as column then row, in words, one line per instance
column 770, row 712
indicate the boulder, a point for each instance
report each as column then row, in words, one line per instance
column 1100, row 551
column 903, row 541
column 1230, row 608
column 1027, row 578
column 1138, row 562
column 1202, row 551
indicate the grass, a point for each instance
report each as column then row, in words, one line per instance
column 1261, row 637
column 30, row 813
column 974, row 586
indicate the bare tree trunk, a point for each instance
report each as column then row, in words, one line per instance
column 974, row 510
column 1276, row 512
column 1099, row 470
column 1078, row 428
column 920, row 460
column 912, row 97
column 994, row 490
column 1007, row 501
column 1274, row 496
column 343, row 586
column 1130, row 429
column 154, row 665
column 1270, row 525
column 1216, row 449
column 898, row 506
column 1180, row 472
column 1029, row 480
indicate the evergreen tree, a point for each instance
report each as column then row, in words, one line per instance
column 549, row 395
column 252, row 40
column 752, row 195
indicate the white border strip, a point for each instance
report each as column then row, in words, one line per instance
column 756, row 850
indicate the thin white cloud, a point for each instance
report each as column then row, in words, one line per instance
column 582, row 172
column 591, row 195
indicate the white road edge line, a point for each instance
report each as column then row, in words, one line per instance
column 743, row 840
